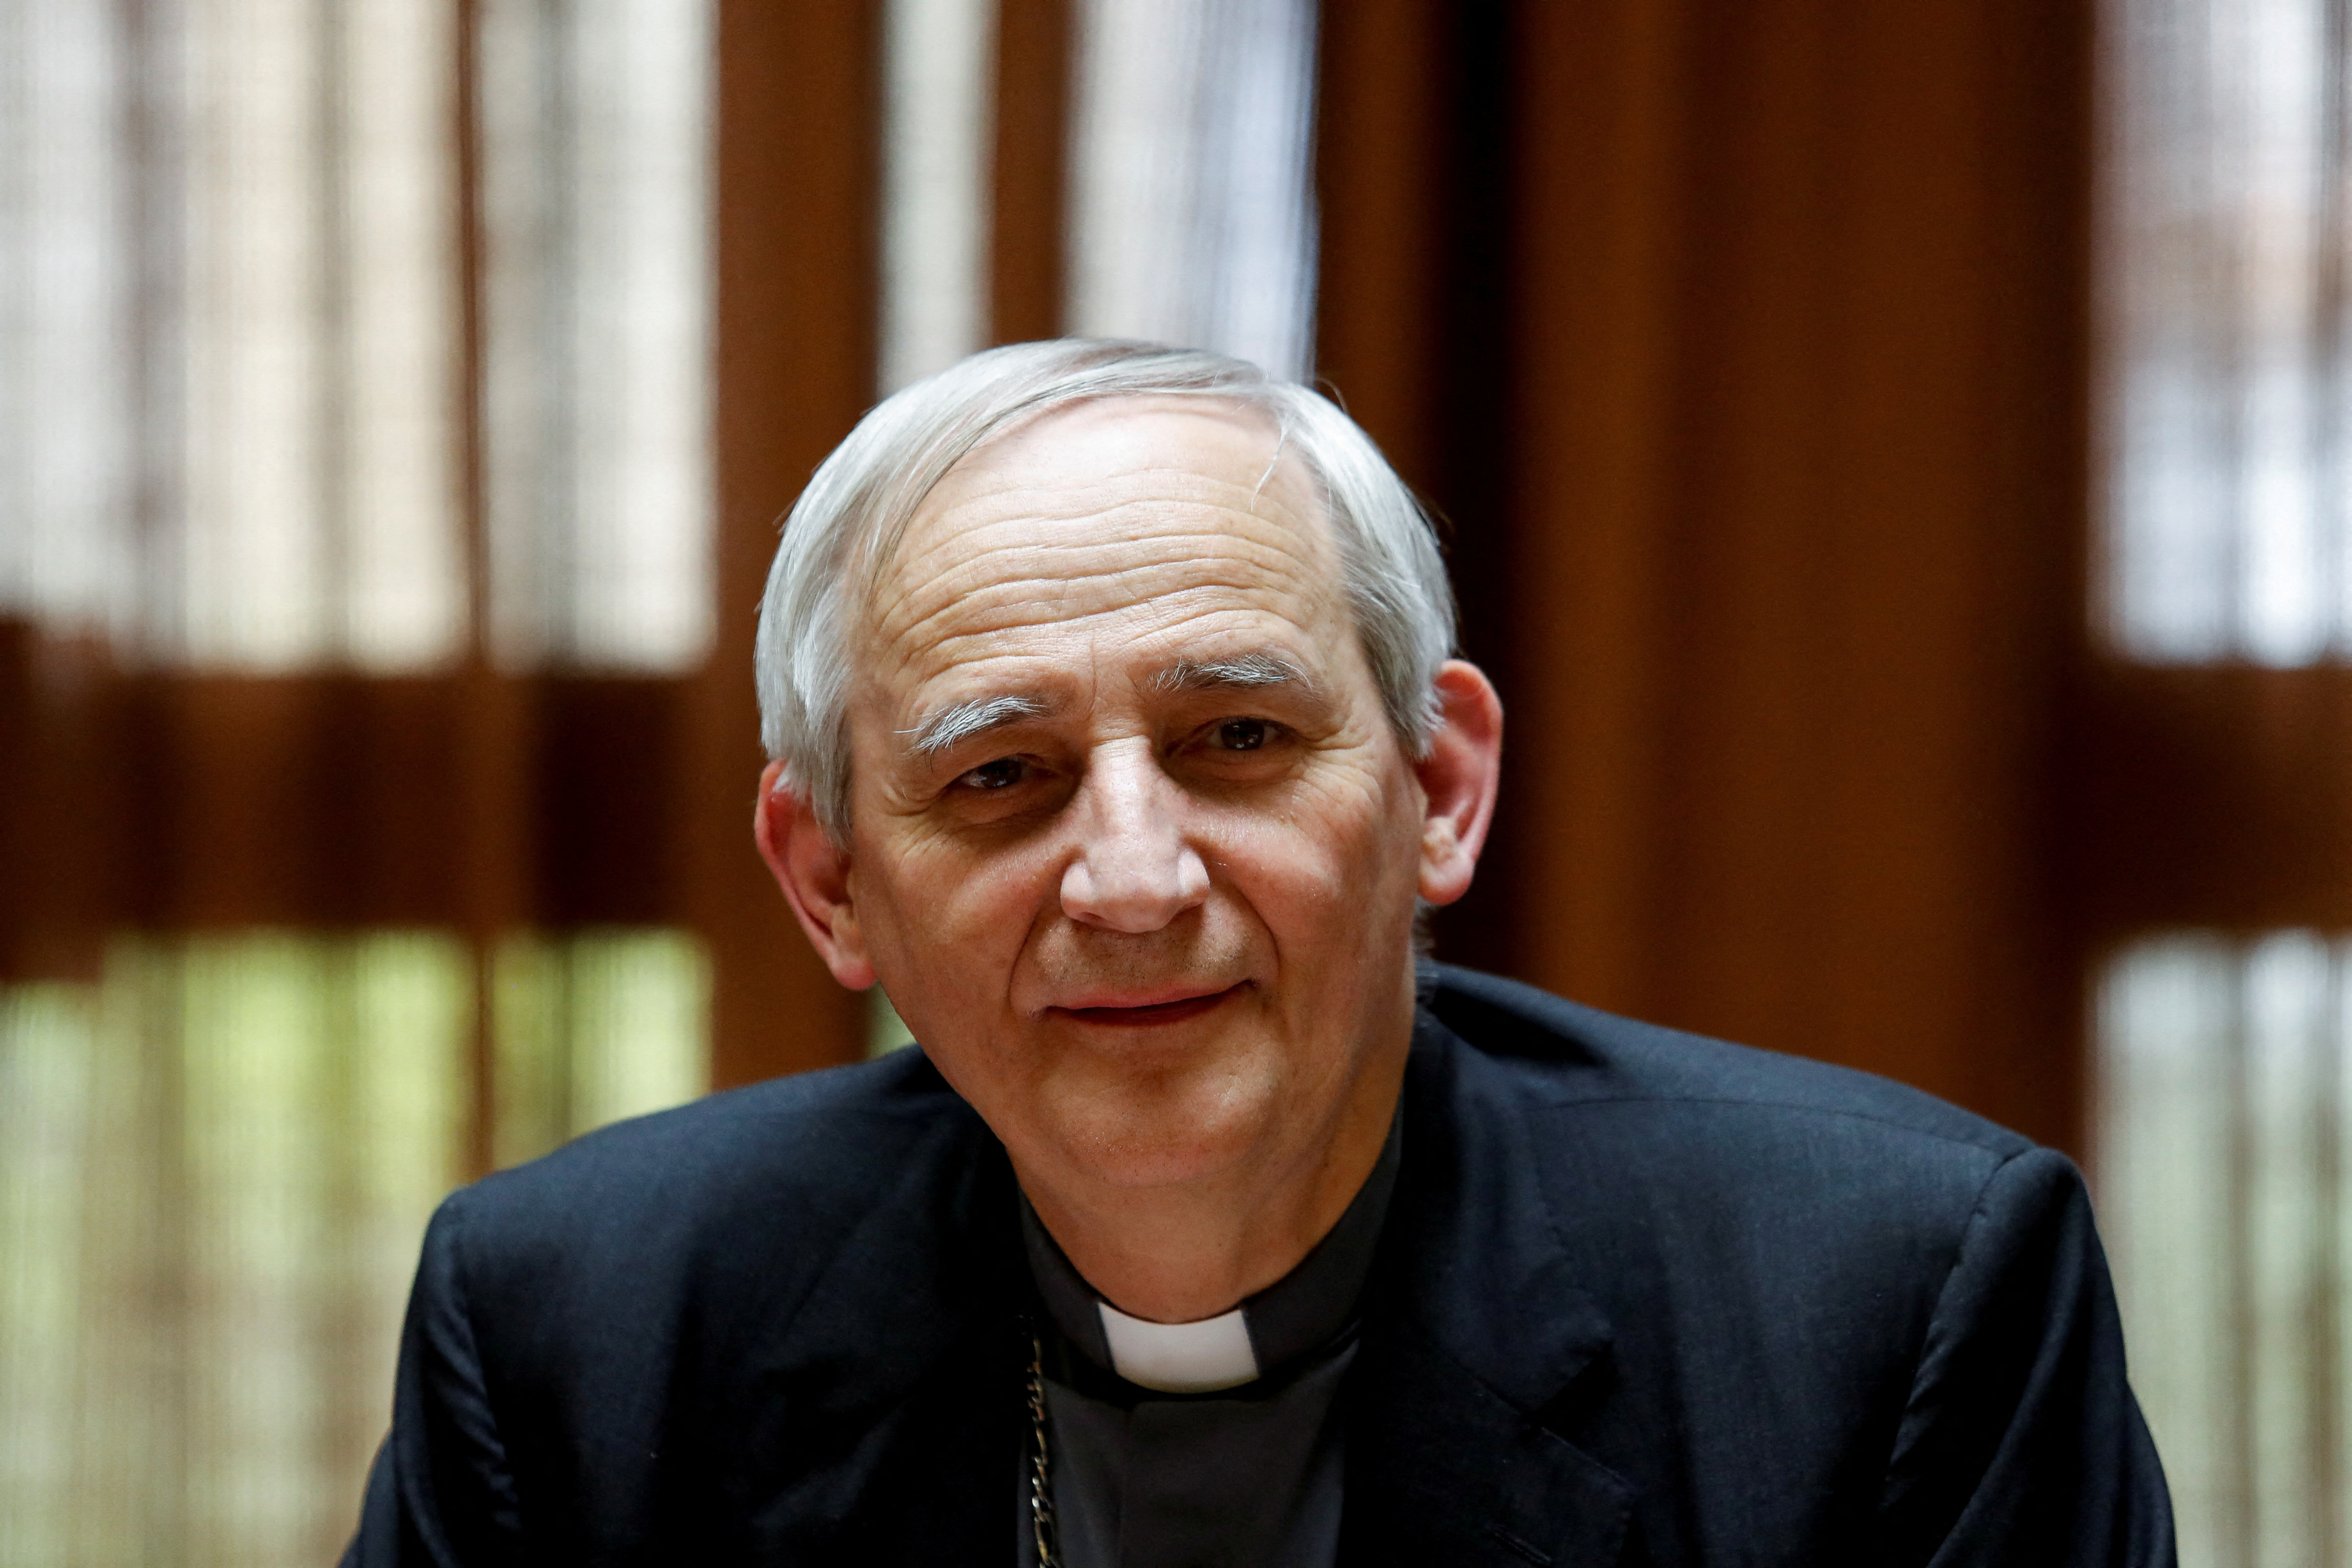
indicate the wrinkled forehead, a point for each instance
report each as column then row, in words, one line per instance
column 1102, row 435
column 1132, row 450
column 1184, row 510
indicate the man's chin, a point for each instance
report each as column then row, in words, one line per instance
column 1166, row 1164
column 1164, row 1134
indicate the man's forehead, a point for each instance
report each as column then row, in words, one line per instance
column 1133, row 536
column 1227, row 467
column 1110, row 435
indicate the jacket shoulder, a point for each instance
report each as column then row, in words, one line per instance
column 679, row 1302
column 1810, row 1291
column 782, row 1171
column 1564, row 1053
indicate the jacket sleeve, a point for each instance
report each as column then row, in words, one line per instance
column 2020, row 1442
column 441, row 1491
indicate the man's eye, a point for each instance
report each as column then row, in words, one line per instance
column 1244, row 734
column 1001, row 774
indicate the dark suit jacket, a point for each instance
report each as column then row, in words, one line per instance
column 1642, row 1297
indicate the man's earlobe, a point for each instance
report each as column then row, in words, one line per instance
column 813, row 872
column 1458, row 778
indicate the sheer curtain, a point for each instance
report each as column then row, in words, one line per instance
column 2222, row 1160
column 1189, row 216
column 1192, row 216
column 2225, row 272
column 233, row 336
column 313, row 406
column 2221, row 1118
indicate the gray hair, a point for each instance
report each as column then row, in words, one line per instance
column 861, row 499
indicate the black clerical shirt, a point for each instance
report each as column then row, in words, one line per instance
column 1223, row 1447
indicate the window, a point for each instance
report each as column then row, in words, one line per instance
column 2221, row 1052
column 339, row 391
column 2228, row 327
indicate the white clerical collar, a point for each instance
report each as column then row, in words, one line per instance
column 1298, row 1316
column 1180, row 1358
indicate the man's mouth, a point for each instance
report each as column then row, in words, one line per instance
column 1146, row 1011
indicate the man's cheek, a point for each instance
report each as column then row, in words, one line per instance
column 1310, row 859
column 945, row 877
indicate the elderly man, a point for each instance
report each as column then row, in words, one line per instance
column 1114, row 732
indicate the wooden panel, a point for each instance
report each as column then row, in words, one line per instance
column 605, row 802
column 1600, row 251
column 1030, row 170
column 61, row 807
column 1387, row 103
column 1801, row 525
column 797, row 145
column 198, row 802
column 2215, row 797
column 1785, row 560
column 475, row 800
column 1415, row 335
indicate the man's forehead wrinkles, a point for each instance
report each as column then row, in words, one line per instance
column 1150, row 571
column 1073, row 500
column 1186, row 645
column 945, row 552
column 1009, row 632
column 1113, row 582
column 944, row 527
column 986, row 550
column 1263, row 549
column 955, row 611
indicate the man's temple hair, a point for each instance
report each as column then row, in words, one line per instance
column 839, row 536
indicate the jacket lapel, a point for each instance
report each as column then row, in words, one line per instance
column 1473, row 1328
column 945, row 1455
column 877, row 1419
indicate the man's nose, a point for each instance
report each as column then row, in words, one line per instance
column 1134, row 871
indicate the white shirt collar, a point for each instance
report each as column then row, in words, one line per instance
column 1180, row 1358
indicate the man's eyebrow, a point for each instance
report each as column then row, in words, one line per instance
column 960, row 721
column 1242, row 672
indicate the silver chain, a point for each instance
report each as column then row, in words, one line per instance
column 1041, row 1459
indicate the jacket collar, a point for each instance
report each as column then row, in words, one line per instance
column 1473, row 1326
column 1476, row 1327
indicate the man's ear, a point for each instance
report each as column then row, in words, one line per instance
column 1459, row 777
column 814, row 875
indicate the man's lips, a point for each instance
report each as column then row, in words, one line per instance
column 1150, row 1009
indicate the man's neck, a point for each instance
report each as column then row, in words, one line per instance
column 1185, row 1251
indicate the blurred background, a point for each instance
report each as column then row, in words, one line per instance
column 1895, row 460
